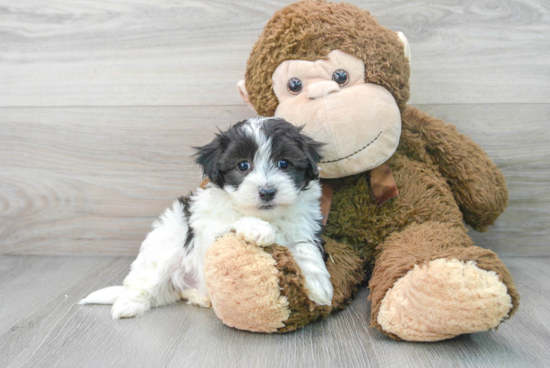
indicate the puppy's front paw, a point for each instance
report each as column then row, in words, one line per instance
column 126, row 306
column 194, row 297
column 256, row 231
column 319, row 288
column 317, row 277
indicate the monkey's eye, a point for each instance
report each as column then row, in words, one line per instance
column 341, row 77
column 243, row 166
column 294, row 86
column 283, row 164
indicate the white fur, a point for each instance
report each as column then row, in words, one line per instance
column 104, row 296
column 255, row 230
column 165, row 271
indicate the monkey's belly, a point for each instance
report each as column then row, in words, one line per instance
column 355, row 218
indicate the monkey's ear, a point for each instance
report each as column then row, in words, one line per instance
column 241, row 87
column 406, row 46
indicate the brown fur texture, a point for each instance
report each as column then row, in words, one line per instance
column 233, row 267
column 346, row 272
column 355, row 219
column 309, row 30
column 421, row 243
column 443, row 298
column 444, row 178
column 478, row 186
column 270, row 285
column 427, row 196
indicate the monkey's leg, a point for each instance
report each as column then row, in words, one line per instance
column 263, row 290
column 431, row 283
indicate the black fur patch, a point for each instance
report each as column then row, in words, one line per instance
column 219, row 158
column 320, row 242
column 185, row 202
column 298, row 149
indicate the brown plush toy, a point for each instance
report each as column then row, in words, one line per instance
column 335, row 70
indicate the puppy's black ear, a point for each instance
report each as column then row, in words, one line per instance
column 209, row 157
column 312, row 148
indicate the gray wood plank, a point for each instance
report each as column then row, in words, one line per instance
column 105, row 53
column 26, row 282
column 92, row 180
column 47, row 329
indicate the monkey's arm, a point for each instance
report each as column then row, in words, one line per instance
column 478, row 185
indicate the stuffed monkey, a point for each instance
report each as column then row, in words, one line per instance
column 399, row 184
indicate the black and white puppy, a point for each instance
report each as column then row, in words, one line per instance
column 263, row 186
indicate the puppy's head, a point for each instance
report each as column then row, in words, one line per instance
column 263, row 163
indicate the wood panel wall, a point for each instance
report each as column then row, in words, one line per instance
column 101, row 101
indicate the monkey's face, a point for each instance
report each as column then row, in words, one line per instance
column 360, row 122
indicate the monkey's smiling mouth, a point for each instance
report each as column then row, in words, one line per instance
column 354, row 153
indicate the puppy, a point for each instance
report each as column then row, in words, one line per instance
column 263, row 186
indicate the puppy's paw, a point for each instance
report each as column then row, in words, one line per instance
column 126, row 306
column 317, row 277
column 256, row 231
column 319, row 288
column 194, row 297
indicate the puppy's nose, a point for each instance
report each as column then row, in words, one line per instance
column 321, row 89
column 267, row 194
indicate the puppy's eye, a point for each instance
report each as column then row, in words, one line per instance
column 283, row 164
column 243, row 166
column 341, row 77
column 294, row 86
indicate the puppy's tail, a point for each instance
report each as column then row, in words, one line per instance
column 104, row 296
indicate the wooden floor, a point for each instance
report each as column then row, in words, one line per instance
column 41, row 326
column 100, row 102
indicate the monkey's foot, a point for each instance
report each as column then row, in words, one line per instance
column 443, row 299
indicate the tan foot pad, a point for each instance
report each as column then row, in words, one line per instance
column 443, row 299
column 244, row 287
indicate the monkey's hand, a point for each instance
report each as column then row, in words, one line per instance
column 264, row 290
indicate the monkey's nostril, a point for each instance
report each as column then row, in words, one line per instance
column 267, row 194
